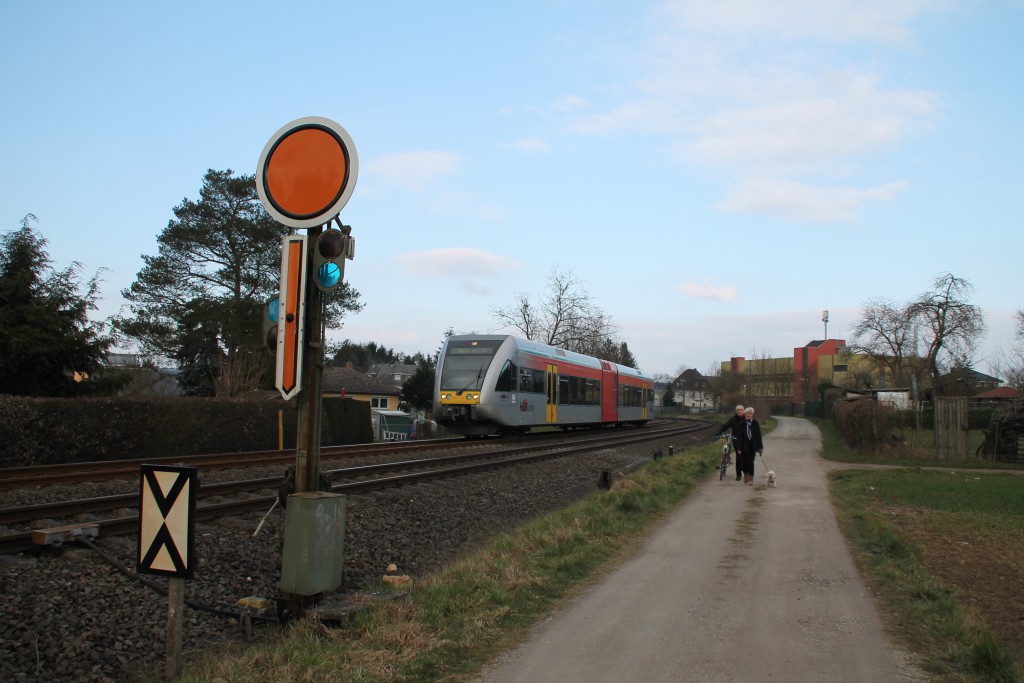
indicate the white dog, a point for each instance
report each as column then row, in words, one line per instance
column 771, row 478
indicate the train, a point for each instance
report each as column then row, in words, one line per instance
column 502, row 384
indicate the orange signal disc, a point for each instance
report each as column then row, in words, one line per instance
column 306, row 172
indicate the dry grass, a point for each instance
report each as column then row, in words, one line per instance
column 454, row 621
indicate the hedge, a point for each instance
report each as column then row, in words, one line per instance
column 44, row 431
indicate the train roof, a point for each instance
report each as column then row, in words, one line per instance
column 554, row 352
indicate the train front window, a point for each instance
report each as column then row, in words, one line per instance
column 466, row 363
column 507, row 378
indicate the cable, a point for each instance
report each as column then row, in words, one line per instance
column 163, row 591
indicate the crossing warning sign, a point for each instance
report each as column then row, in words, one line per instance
column 167, row 520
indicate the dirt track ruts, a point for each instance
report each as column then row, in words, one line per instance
column 741, row 583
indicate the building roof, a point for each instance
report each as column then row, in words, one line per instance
column 972, row 376
column 386, row 372
column 689, row 378
column 1000, row 393
column 355, row 382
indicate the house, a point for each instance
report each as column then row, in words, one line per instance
column 348, row 382
column 998, row 395
column 967, row 382
column 393, row 373
column 693, row 391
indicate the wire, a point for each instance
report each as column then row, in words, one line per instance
column 163, row 591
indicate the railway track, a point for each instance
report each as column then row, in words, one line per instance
column 105, row 470
column 350, row 481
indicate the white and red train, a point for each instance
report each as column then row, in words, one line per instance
column 500, row 384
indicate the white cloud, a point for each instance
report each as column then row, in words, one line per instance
column 771, row 90
column 530, row 145
column 464, row 204
column 570, row 103
column 798, row 201
column 456, row 262
column 414, row 170
column 837, row 20
column 821, row 123
column 709, row 291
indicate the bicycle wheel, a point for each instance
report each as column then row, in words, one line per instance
column 725, row 465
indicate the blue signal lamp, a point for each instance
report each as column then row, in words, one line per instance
column 332, row 248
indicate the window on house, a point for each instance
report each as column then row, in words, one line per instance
column 379, row 402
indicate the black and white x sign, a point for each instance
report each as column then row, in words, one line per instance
column 166, row 524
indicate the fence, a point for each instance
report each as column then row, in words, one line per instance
column 951, row 428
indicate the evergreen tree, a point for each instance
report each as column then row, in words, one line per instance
column 625, row 357
column 46, row 338
column 418, row 390
column 200, row 300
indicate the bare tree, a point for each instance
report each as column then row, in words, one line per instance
column 885, row 332
column 948, row 323
column 952, row 325
column 566, row 316
column 1014, row 360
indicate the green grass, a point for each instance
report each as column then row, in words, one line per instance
column 926, row 614
column 454, row 621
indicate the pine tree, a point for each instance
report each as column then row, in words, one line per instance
column 46, row 337
column 200, row 300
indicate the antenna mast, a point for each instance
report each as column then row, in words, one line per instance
column 824, row 319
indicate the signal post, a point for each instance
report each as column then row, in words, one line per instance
column 306, row 174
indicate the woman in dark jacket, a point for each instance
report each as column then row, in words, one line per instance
column 750, row 443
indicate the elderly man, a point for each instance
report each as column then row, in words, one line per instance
column 734, row 425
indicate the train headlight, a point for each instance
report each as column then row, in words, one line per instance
column 446, row 397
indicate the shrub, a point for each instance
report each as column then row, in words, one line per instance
column 42, row 431
column 864, row 424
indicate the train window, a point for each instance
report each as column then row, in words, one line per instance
column 507, row 377
column 563, row 389
column 466, row 362
column 526, row 380
column 630, row 396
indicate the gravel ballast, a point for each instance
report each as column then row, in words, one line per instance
column 70, row 616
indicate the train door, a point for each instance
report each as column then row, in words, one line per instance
column 551, row 384
column 609, row 392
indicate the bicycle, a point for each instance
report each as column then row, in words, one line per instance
column 726, row 456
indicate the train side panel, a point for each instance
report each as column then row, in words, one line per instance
column 489, row 384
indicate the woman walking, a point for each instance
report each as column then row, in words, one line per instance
column 750, row 443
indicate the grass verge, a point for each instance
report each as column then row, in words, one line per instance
column 932, row 544
column 924, row 456
column 454, row 621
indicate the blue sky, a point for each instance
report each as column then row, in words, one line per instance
column 714, row 174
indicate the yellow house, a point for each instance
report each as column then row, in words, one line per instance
column 350, row 383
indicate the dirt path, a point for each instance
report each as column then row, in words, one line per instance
column 742, row 583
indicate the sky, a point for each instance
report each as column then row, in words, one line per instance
column 714, row 174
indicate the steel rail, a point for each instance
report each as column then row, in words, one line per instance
column 27, row 513
column 22, row 541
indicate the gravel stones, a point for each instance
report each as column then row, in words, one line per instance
column 69, row 616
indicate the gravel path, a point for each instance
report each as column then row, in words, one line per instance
column 70, row 616
column 741, row 583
